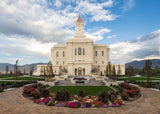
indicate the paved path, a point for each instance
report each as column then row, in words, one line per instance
column 12, row 102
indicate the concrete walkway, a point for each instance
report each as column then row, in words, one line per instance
column 12, row 102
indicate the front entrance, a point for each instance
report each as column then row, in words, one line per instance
column 79, row 71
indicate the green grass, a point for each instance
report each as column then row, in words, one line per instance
column 89, row 90
column 24, row 78
column 5, row 76
column 137, row 78
column 151, row 76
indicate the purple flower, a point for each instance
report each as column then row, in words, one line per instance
column 82, row 106
column 60, row 104
column 41, row 103
column 46, row 100
column 105, row 106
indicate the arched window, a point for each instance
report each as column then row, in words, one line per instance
column 79, row 51
column 63, row 54
column 75, row 51
column 57, row 53
column 83, row 51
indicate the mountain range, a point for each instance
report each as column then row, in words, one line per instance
column 27, row 67
column 141, row 64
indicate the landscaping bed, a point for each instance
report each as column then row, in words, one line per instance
column 78, row 96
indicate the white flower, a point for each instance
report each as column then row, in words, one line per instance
column 42, row 98
column 110, row 103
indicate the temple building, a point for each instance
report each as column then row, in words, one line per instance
column 81, row 57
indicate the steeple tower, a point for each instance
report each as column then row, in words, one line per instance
column 79, row 28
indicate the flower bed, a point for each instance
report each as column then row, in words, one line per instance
column 64, row 99
column 129, row 91
column 79, row 102
column 79, row 79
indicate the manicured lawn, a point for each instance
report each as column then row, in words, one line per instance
column 24, row 78
column 89, row 90
column 5, row 76
column 137, row 78
column 152, row 76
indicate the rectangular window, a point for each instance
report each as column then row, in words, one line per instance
column 63, row 54
column 79, row 51
column 75, row 51
column 102, row 62
column 96, row 53
column 57, row 62
column 102, row 53
column 63, row 62
column 57, row 53
column 96, row 62
column 83, row 51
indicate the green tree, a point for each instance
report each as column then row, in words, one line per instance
column 60, row 70
column 7, row 69
column 11, row 73
column 119, row 70
column 107, row 70
column 114, row 70
column 31, row 72
column 129, row 71
column 50, row 69
column 148, row 69
column 24, row 71
column 16, row 70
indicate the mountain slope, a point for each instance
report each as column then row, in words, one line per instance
column 141, row 64
column 27, row 67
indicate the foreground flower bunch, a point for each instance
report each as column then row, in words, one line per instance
column 78, row 102
column 130, row 91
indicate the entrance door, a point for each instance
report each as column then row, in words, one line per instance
column 79, row 71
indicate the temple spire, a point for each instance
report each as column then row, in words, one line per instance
column 79, row 28
column 79, row 20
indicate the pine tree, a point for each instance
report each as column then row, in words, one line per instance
column 7, row 69
column 114, row 70
column 148, row 69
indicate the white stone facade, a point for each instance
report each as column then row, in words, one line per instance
column 79, row 55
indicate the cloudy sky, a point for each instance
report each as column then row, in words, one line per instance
column 29, row 28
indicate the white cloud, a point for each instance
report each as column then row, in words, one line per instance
column 96, row 10
column 128, row 4
column 21, row 46
column 98, row 34
column 58, row 4
column 112, row 36
column 145, row 47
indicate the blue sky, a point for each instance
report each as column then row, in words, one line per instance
column 29, row 28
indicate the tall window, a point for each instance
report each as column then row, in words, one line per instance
column 63, row 54
column 57, row 62
column 57, row 53
column 102, row 62
column 79, row 51
column 102, row 53
column 83, row 51
column 75, row 51
column 96, row 53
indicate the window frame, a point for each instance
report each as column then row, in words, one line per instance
column 79, row 51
